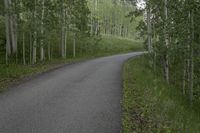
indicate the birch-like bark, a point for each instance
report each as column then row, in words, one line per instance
column 12, row 29
column 74, row 45
column 34, row 60
column 97, row 23
column 65, row 45
column 91, row 28
column 166, row 64
column 8, row 41
column 63, row 31
column 30, row 48
column 24, row 50
column 15, row 25
column 120, row 30
column 42, row 32
column 192, row 58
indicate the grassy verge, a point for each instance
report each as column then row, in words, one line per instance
column 13, row 73
column 150, row 105
column 114, row 45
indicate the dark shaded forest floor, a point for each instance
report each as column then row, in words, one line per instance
column 150, row 105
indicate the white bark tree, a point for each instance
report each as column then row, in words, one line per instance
column 42, row 32
column 74, row 45
column 24, row 49
column 166, row 64
column 10, row 24
column 34, row 60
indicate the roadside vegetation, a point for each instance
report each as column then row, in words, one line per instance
column 12, row 73
column 162, row 90
column 152, row 105
column 39, row 35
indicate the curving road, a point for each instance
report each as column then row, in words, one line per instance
column 79, row 98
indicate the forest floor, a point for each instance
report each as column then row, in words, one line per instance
column 150, row 105
column 12, row 74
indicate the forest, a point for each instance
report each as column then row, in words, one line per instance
column 36, row 35
column 41, row 30
column 171, row 32
column 173, row 41
column 42, row 34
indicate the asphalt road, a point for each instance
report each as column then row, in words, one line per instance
column 79, row 98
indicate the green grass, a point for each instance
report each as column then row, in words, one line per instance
column 13, row 73
column 108, row 45
column 115, row 45
column 152, row 106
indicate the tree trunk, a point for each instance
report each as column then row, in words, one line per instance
column 12, row 29
column 65, row 45
column 49, row 52
column 166, row 64
column 74, row 45
column 42, row 33
column 150, row 49
column 24, row 50
column 30, row 48
column 120, row 30
column 8, row 41
column 192, row 59
column 63, row 31
column 184, row 77
column 97, row 22
column 91, row 28
column 34, row 60
column 15, row 25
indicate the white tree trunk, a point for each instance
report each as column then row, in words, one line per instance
column 166, row 65
column 63, row 32
column 97, row 23
column 42, row 32
column 7, row 23
column 34, row 60
column 30, row 48
column 24, row 50
column 74, row 45
column 192, row 58
column 91, row 28
column 65, row 45
column 12, row 29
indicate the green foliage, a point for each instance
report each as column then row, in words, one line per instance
column 116, row 45
column 61, row 20
column 111, row 16
column 150, row 105
column 175, row 36
column 89, row 49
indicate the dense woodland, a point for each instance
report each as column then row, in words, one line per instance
column 33, row 31
column 39, row 30
column 173, row 36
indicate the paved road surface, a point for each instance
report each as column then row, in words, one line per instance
column 78, row 98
